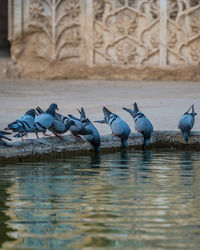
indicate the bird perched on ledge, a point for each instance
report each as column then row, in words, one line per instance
column 142, row 124
column 2, row 136
column 45, row 120
column 24, row 124
column 60, row 125
column 186, row 123
column 118, row 127
column 94, row 137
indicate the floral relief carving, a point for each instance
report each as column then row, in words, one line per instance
column 60, row 26
column 154, row 9
column 173, row 9
column 154, row 40
column 126, row 24
column 120, row 3
column 98, row 40
column 195, row 53
column 195, row 24
column 126, row 52
column 172, row 39
column 99, row 6
column 126, row 40
column 36, row 10
column 72, row 8
column 194, row 2
column 183, row 30
column 131, row 3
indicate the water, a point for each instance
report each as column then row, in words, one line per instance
column 126, row 199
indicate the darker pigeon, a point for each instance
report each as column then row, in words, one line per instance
column 24, row 124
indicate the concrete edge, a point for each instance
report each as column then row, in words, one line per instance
column 52, row 147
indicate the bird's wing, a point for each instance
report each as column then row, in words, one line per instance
column 143, row 125
column 117, row 127
column 44, row 121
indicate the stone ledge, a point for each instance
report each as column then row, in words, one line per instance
column 51, row 147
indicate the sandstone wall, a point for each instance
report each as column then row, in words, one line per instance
column 126, row 39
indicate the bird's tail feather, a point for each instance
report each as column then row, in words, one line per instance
column 39, row 110
column 128, row 110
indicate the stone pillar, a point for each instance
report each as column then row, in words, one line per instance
column 89, row 26
column 16, row 18
column 163, row 33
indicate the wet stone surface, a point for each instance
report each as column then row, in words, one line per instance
column 53, row 146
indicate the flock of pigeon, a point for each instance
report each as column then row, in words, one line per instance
column 37, row 120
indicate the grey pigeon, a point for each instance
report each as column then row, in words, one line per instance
column 94, row 137
column 186, row 123
column 45, row 120
column 142, row 124
column 2, row 136
column 118, row 127
column 60, row 125
column 24, row 124
column 78, row 128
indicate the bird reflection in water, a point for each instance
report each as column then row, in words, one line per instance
column 142, row 169
column 186, row 168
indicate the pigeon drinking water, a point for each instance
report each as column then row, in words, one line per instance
column 186, row 123
column 142, row 124
column 118, row 127
column 94, row 137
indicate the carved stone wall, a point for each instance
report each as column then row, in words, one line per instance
column 57, row 35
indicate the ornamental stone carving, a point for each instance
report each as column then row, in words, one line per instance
column 59, row 23
column 122, row 33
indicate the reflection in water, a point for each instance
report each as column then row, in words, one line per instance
column 3, row 217
column 186, row 169
column 125, row 199
column 142, row 169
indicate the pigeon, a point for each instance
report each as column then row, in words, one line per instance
column 60, row 125
column 45, row 120
column 142, row 124
column 24, row 124
column 118, row 127
column 78, row 127
column 2, row 136
column 186, row 123
column 94, row 137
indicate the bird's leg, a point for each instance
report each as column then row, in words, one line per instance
column 76, row 136
column 59, row 136
column 37, row 135
column 21, row 136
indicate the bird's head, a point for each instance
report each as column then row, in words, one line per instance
column 53, row 106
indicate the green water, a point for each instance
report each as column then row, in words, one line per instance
column 130, row 199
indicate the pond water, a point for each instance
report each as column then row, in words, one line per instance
column 129, row 199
